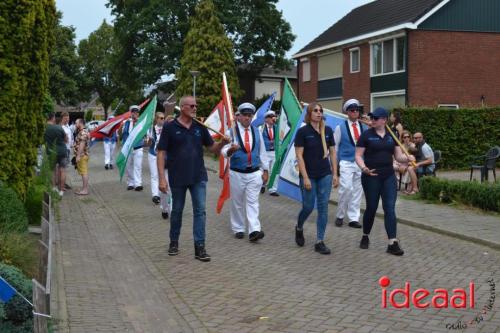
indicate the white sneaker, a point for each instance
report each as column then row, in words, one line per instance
column 60, row 193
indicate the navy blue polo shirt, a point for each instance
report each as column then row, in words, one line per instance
column 184, row 148
column 310, row 139
column 378, row 151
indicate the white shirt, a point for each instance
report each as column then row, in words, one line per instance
column 337, row 134
column 69, row 134
column 264, row 160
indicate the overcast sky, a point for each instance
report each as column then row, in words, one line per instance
column 307, row 18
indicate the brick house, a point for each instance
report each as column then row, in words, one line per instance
column 394, row 53
column 269, row 80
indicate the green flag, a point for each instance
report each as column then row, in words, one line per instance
column 144, row 122
column 288, row 121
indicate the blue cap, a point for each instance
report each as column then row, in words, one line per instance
column 379, row 113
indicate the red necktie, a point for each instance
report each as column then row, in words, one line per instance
column 356, row 132
column 247, row 147
column 271, row 134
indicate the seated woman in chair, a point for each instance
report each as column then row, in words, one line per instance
column 407, row 172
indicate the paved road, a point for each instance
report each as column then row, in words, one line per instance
column 114, row 275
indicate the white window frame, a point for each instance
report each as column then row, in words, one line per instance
column 385, row 94
column 448, row 106
column 394, row 55
column 303, row 61
column 351, row 51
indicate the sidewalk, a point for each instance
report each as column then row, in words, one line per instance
column 475, row 226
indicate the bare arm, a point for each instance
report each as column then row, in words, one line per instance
column 299, row 152
column 333, row 163
column 216, row 147
column 160, row 164
column 360, row 151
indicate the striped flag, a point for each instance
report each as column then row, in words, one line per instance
column 140, row 129
column 214, row 120
column 260, row 115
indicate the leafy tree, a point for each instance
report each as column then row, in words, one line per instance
column 64, row 69
column 209, row 51
column 97, row 54
column 152, row 33
column 25, row 39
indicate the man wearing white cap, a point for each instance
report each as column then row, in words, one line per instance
column 350, row 190
column 109, row 149
column 268, row 132
column 134, row 165
column 248, row 171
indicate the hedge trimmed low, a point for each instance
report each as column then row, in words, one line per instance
column 12, row 212
column 481, row 195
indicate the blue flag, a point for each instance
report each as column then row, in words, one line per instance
column 6, row 290
column 259, row 117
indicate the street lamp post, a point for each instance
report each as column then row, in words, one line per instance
column 194, row 74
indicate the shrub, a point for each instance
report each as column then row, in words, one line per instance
column 17, row 311
column 20, row 250
column 459, row 134
column 481, row 195
column 12, row 213
column 88, row 116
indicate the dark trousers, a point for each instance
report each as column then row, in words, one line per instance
column 376, row 188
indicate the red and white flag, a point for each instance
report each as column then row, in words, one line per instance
column 215, row 119
column 227, row 121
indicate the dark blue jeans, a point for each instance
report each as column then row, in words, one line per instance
column 376, row 188
column 198, row 198
column 319, row 193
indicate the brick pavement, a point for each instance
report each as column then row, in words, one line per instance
column 114, row 274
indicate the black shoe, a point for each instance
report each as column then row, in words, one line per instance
column 299, row 236
column 262, row 189
column 274, row 194
column 255, row 236
column 339, row 222
column 355, row 224
column 365, row 242
column 156, row 199
column 239, row 235
column 138, row 188
column 173, row 248
column 164, row 215
column 111, row 166
column 395, row 249
column 66, row 186
column 130, row 188
column 106, row 167
column 200, row 253
column 321, row 248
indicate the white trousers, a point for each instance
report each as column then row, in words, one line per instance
column 134, row 168
column 350, row 191
column 245, row 190
column 271, row 156
column 153, row 171
column 109, row 152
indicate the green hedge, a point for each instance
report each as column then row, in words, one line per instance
column 17, row 312
column 459, row 134
column 481, row 195
column 12, row 212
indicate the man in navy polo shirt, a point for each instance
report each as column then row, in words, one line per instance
column 182, row 141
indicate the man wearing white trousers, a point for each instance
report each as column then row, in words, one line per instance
column 346, row 136
column 109, row 149
column 153, row 138
column 248, row 171
column 134, row 164
column 268, row 131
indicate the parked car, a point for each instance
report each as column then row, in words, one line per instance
column 91, row 125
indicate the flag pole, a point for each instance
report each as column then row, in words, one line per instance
column 210, row 128
column 400, row 144
column 228, row 102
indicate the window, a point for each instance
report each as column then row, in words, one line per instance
column 388, row 99
column 354, row 60
column 306, row 70
column 388, row 56
column 448, row 106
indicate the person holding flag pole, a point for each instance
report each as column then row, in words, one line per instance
column 181, row 143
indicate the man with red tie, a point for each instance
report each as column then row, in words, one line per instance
column 249, row 167
column 350, row 190
column 268, row 132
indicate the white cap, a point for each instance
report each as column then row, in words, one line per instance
column 349, row 103
column 134, row 108
column 270, row 113
column 246, row 108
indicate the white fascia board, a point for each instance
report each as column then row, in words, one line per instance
column 408, row 25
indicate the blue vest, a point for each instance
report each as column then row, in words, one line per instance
column 347, row 147
column 126, row 132
column 111, row 139
column 239, row 160
column 267, row 141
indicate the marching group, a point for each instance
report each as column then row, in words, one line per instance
column 359, row 156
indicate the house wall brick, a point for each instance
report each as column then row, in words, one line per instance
column 308, row 91
column 357, row 85
column 453, row 68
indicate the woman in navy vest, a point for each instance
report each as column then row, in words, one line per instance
column 314, row 143
column 374, row 155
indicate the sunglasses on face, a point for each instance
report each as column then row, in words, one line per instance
column 353, row 110
column 318, row 110
column 406, row 137
column 161, row 118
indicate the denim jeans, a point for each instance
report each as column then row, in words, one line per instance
column 198, row 197
column 376, row 188
column 320, row 193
